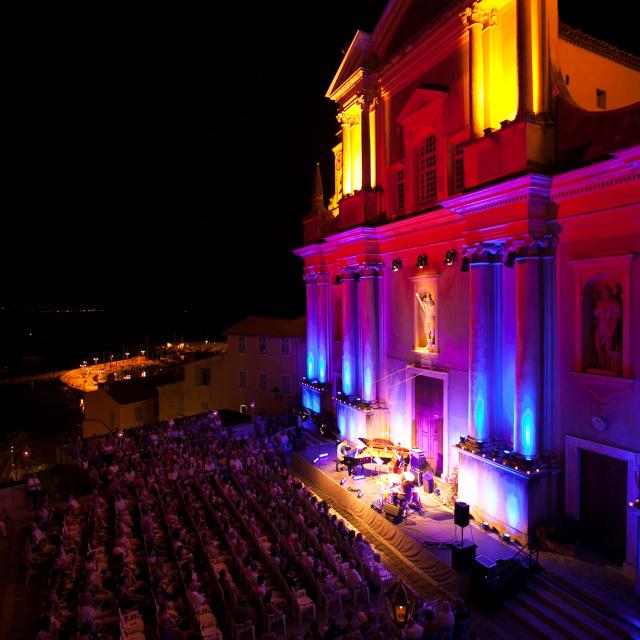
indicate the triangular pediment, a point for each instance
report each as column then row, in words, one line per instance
column 359, row 56
column 402, row 20
column 421, row 97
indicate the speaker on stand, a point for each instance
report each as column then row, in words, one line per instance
column 461, row 518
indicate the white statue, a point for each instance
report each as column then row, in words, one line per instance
column 607, row 315
column 428, row 306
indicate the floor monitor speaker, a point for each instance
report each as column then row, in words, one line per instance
column 393, row 513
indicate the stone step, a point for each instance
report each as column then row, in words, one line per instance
column 563, row 623
column 597, row 622
column 500, row 626
column 533, row 623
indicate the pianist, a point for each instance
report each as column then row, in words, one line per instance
column 343, row 449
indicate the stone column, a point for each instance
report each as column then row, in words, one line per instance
column 349, row 332
column 483, row 307
column 365, row 142
column 369, row 342
column 372, row 143
column 322, row 326
column 529, row 43
column 355, row 129
column 475, row 18
column 346, row 153
column 312, row 332
column 528, row 374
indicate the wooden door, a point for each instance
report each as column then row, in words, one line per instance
column 429, row 419
column 603, row 505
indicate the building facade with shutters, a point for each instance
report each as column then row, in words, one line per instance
column 473, row 285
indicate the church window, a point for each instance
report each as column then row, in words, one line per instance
column 427, row 166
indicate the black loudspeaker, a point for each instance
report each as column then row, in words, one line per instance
column 418, row 474
column 393, row 513
column 461, row 514
column 418, row 459
column 427, row 483
column 486, row 567
column 463, row 558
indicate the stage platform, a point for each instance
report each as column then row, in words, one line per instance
column 423, row 539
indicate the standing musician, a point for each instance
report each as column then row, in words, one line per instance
column 400, row 462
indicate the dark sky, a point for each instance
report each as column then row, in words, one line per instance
column 162, row 159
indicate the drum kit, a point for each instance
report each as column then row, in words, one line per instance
column 400, row 490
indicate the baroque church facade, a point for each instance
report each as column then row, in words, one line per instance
column 473, row 286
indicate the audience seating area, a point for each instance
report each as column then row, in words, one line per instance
column 190, row 533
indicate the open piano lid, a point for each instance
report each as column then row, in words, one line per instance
column 383, row 443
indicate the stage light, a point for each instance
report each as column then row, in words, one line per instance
column 422, row 262
column 506, row 538
column 510, row 259
column 343, row 480
column 485, row 526
column 315, row 460
column 322, row 455
column 450, row 257
column 396, row 265
column 360, row 477
column 360, row 493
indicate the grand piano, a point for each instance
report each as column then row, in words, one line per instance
column 374, row 450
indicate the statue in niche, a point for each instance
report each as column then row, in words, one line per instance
column 428, row 306
column 607, row 319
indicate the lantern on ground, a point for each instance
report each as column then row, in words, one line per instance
column 400, row 603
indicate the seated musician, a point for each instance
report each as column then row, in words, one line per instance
column 412, row 496
column 343, row 448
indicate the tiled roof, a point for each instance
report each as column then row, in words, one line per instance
column 266, row 326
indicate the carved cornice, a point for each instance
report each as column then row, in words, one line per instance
column 530, row 187
column 596, row 184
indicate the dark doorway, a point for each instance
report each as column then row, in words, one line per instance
column 429, row 419
column 603, row 505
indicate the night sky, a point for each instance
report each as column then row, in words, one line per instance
column 162, row 159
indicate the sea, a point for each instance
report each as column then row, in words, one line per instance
column 42, row 339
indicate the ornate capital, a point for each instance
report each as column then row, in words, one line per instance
column 323, row 277
column 536, row 244
column 347, row 273
column 484, row 252
column 475, row 14
column 348, row 119
column 370, row 270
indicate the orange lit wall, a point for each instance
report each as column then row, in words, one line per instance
column 588, row 71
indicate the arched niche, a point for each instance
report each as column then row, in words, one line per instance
column 592, row 277
column 602, row 313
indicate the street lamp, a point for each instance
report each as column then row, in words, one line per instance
column 253, row 414
column 400, row 603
